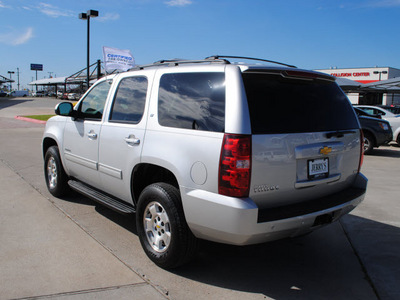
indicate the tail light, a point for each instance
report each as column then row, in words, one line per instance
column 361, row 150
column 235, row 166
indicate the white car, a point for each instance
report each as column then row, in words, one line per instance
column 392, row 118
column 73, row 96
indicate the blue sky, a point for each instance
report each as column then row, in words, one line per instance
column 311, row 34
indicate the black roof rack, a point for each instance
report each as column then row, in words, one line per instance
column 176, row 62
column 250, row 58
column 210, row 59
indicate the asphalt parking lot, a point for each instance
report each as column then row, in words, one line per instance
column 73, row 248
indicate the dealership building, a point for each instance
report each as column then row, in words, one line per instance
column 371, row 88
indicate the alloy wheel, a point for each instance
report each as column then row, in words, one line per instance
column 157, row 227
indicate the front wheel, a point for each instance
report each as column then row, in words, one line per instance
column 56, row 178
column 162, row 228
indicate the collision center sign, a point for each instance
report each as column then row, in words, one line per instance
column 354, row 74
column 362, row 75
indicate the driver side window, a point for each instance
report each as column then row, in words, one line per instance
column 92, row 106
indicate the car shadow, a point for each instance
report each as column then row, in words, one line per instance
column 385, row 153
column 6, row 102
column 378, row 247
column 321, row 265
column 125, row 221
column 392, row 151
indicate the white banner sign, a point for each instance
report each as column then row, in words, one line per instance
column 117, row 59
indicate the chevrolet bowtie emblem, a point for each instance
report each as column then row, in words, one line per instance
column 325, row 150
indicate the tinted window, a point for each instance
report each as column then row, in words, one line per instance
column 92, row 106
column 282, row 105
column 372, row 112
column 192, row 101
column 129, row 100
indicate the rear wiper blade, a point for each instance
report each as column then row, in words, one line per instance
column 339, row 133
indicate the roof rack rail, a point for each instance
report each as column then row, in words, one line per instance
column 210, row 59
column 176, row 62
column 218, row 57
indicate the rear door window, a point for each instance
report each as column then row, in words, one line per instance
column 129, row 101
column 290, row 105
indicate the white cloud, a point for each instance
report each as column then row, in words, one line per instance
column 24, row 37
column 108, row 17
column 2, row 5
column 178, row 2
column 53, row 11
column 16, row 37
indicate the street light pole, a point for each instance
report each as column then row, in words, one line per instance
column 86, row 16
column 18, row 78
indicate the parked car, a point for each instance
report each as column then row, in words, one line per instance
column 73, row 96
column 377, row 132
column 186, row 146
column 64, row 96
column 39, row 94
column 392, row 108
column 19, row 93
column 392, row 118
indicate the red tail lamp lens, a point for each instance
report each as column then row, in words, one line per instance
column 235, row 166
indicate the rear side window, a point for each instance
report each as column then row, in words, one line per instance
column 129, row 101
column 192, row 101
column 286, row 105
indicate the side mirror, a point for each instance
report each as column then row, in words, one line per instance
column 65, row 109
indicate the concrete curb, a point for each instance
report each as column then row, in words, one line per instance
column 29, row 120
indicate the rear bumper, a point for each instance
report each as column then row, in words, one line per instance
column 239, row 221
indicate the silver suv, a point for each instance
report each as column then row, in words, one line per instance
column 228, row 152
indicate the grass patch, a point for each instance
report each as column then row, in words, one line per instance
column 39, row 117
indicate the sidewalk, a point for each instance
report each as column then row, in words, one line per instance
column 45, row 253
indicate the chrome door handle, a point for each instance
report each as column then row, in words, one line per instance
column 92, row 135
column 132, row 140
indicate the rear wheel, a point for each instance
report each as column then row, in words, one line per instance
column 368, row 143
column 56, row 178
column 162, row 228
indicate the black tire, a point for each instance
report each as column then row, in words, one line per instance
column 162, row 228
column 368, row 143
column 55, row 176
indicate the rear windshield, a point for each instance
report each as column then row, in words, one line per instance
column 287, row 105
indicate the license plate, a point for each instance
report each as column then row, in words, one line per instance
column 318, row 168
